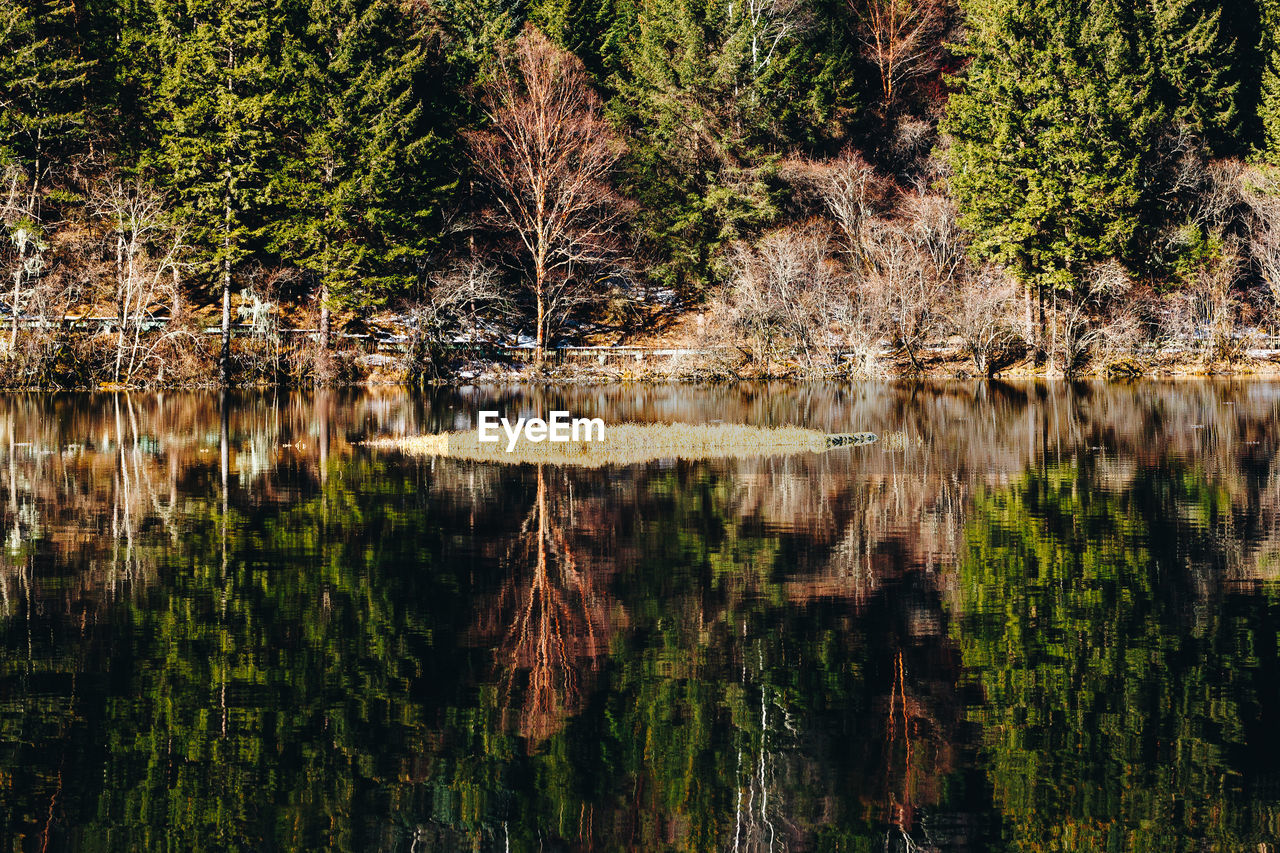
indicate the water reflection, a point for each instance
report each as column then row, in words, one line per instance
column 1033, row 617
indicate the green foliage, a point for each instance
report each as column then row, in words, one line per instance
column 1056, row 122
column 1101, row 721
column 43, row 116
column 364, row 189
column 712, row 92
column 216, row 99
column 1269, row 106
column 1195, row 250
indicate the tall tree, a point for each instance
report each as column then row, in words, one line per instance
column 218, row 112
column 42, row 121
column 1269, row 108
column 370, row 171
column 1051, row 129
column 903, row 40
column 1057, row 120
column 548, row 158
column 712, row 92
column 43, row 114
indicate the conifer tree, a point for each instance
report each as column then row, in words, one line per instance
column 1051, row 131
column 218, row 112
column 1269, row 106
column 712, row 91
column 43, row 114
column 42, row 121
column 1194, row 68
column 1057, row 121
column 365, row 187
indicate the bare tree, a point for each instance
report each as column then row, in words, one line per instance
column 849, row 190
column 983, row 312
column 145, row 247
column 1261, row 190
column 456, row 302
column 902, row 38
column 911, row 289
column 1207, row 313
column 782, row 291
column 769, row 23
column 548, row 159
column 25, row 235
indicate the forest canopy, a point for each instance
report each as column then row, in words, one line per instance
column 1074, row 179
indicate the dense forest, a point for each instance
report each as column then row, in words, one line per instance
column 1080, row 183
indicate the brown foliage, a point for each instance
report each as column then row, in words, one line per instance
column 903, row 39
column 548, row 159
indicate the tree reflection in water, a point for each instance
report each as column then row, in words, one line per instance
column 1035, row 617
column 560, row 620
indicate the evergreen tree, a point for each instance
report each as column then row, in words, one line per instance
column 597, row 31
column 218, row 114
column 42, row 121
column 42, row 108
column 1269, row 107
column 712, row 91
column 365, row 188
column 1057, row 121
column 1052, row 128
column 1194, row 69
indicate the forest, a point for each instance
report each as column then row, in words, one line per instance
column 317, row 191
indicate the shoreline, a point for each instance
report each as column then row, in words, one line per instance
column 489, row 373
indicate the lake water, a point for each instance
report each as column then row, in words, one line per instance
column 1031, row 617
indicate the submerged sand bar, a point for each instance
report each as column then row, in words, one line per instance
column 629, row 444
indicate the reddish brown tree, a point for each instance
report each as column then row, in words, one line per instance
column 903, row 39
column 548, row 158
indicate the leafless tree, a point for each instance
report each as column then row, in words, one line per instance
column 769, row 24
column 850, row 190
column 781, row 296
column 456, row 303
column 904, row 278
column 1261, row 191
column 902, row 38
column 19, row 214
column 548, row 157
column 145, row 246
column 983, row 313
column 1207, row 313
column 259, row 309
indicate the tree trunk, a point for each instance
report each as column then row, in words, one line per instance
column 325, row 319
column 17, row 292
column 224, row 361
column 177, row 295
column 1040, row 353
column 1027, row 322
column 540, row 333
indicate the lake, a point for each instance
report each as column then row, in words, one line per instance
column 1038, row 616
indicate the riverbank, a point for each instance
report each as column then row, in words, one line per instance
column 382, row 354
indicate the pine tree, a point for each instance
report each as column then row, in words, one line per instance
column 218, row 115
column 596, row 31
column 1269, row 107
column 1058, row 119
column 1052, row 131
column 366, row 185
column 1194, row 69
column 712, row 91
column 42, row 123
column 43, row 113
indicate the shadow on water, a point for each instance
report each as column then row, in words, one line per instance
column 1031, row 617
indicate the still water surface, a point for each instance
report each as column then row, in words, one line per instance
column 1032, row 617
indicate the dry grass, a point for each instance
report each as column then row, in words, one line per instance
column 629, row 444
